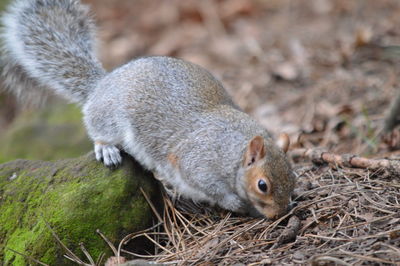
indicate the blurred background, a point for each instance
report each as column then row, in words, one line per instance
column 323, row 71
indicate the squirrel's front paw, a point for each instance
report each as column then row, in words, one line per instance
column 108, row 154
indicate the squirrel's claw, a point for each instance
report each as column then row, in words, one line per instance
column 108, row 154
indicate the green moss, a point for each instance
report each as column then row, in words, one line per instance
column 3, row 4
column 53, row 133
column 75, row 197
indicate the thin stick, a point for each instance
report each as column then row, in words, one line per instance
column 151, row 205
column 88, row 256
column 319, row 156
column 69, row 252
column 131, row 236
column 111, row 245
column 27, row 257
column 330, row 258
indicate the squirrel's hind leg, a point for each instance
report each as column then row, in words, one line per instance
column 108, row 154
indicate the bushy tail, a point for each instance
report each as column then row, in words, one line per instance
column 49, row 43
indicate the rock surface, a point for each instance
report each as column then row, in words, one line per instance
column 75, row 197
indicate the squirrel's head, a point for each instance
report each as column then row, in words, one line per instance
column 268, row 181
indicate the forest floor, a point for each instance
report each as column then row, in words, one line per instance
column 325, row 72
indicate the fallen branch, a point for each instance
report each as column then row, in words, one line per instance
column 319, row 156
column 289, row 233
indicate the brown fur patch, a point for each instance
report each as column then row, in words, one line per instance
column 263, row 202
column 99, row 142
column 252, row 177
column 173, row 159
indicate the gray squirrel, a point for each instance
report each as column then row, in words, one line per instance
column 172, row 116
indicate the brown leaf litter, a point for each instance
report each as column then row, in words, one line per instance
column 344, row 216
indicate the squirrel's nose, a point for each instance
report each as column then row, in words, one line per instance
column 277, row 213
column 274, row 214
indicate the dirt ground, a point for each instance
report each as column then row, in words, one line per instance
column 322, row 71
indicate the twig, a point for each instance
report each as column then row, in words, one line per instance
column 291, row 231
column 111, row 245
column 88, row 256
column 70, row 255
column 317, row 259
column 28, row 257
column 151, row 205
column 100, row 258
column 131, row 236
column 319, row 156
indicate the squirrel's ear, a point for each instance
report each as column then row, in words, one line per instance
column 283, row 142
column 255, row 151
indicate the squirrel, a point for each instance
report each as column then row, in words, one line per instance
column 172, row 116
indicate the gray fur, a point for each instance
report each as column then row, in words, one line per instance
column 14, row 78
column 174, row 117
column 50, row 43
column 156, row 106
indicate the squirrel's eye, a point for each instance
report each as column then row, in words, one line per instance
column 262, row 185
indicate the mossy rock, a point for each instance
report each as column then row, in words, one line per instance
column 56, row 132
column 3, row 4
column 75, row 197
